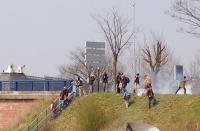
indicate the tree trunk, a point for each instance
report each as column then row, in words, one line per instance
column 115, row 71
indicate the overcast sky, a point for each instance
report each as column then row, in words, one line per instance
column 41, row 33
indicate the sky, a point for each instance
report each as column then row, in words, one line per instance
column 41, row 33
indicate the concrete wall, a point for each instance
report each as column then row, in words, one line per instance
column 11, row 110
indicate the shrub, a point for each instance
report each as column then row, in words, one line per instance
column 90, row 116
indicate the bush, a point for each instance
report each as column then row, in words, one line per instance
column 90, row 116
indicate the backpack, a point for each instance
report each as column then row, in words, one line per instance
column 127, row 80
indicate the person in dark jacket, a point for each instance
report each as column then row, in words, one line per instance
column 136, row 82
column 150, row 95
column 91, row 83
column 125, row 80
column 118, row 81
column 149, row 91
column 79, row 84
column 105, row 82
column 64, row 96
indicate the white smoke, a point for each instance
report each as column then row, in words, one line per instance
column 164, row 83
column 188, row 90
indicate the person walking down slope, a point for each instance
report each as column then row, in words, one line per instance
column 150, row 95
column 149, row 91
column 182, row 84
column 127, row 97
column 125, row 81
column 105, row 82
column 64, row 96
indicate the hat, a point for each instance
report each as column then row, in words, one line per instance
column 65, row 87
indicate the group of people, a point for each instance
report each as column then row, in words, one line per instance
column 124, row 80
column 121, row 87
column 147, row 88
column 67, row 94
column 104, row 82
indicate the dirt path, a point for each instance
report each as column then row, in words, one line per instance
column 10, row 110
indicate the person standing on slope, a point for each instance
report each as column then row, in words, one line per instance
column 182, row 84
column 149, row 91
column 136, row 82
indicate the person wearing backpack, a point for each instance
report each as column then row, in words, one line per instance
column 125, row 81
column 105, row 82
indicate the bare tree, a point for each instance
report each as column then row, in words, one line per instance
column 77, row 65
column 188, row 12
column 156, row 57
column 194, row 72
column 194, row 69
column 117, row 35
column 172, row 61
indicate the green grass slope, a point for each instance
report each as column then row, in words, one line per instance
column 107, row 112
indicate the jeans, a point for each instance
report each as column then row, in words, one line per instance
column 152, row 101
column 105, row 87
column 123, row 90
column 180, row 88
column 80, row 88
column 62, row 103
column 118, row 89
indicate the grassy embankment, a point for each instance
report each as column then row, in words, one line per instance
column 107, row 111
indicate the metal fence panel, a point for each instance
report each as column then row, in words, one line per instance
column 33, row 85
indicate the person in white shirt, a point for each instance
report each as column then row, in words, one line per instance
column 182, row 84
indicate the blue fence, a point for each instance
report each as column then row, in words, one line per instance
column 33, row 85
